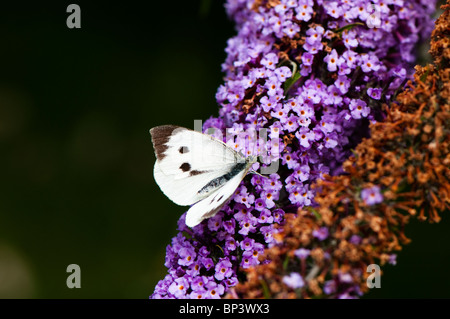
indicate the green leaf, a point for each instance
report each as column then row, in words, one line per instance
column 266, row 290
column 423, row 77
column 291, row 81
column 285, row 262
column 315, row 212
column 348, row 27
column 221, row 249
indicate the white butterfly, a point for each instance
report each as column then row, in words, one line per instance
column 195, row 168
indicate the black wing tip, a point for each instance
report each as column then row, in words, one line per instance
column 160, row 136
column 162, row 130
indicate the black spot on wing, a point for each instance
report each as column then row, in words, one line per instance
column 183, row 150
column 215, row 199
column 185, row 167
column 195, row 172
column 160, row 137
column 214, row 211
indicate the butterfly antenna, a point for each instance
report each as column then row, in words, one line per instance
column 255, row 172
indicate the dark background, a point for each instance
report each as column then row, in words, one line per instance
column 76, row 159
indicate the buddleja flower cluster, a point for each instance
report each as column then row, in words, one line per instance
column 314, row 73
column 402, row 170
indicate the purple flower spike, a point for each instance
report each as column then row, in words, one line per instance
column 312, row 74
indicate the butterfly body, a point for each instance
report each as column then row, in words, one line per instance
column 196, row 169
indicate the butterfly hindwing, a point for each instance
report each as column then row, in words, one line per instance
column 209, row 206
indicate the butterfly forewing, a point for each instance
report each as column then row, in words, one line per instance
column 187, row 161
column 184, row 152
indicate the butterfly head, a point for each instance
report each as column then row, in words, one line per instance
column 250, row 160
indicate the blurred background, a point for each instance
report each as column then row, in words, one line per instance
column 76, row 160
